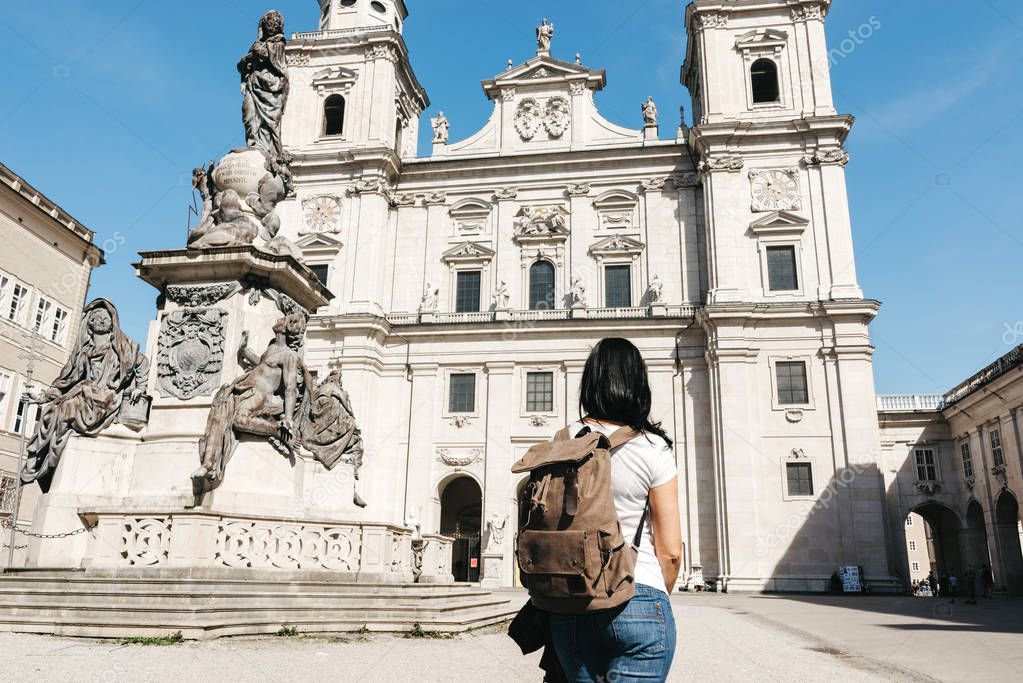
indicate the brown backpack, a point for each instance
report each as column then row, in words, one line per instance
column 570, row 548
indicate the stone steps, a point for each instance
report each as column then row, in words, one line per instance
column 82, row 604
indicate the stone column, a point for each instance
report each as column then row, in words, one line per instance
column 501, row 410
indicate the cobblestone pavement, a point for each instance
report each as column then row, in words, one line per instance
column 721, row 638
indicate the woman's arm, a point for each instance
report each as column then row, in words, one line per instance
column 667, row 527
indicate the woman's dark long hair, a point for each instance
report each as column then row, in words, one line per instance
column 615, row 387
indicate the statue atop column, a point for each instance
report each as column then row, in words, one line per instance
column 544, row 35
column 241, row 192
column 264, row 75
column 104, row 381
column 649, row 113
column 441, row 129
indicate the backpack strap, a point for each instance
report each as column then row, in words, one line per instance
column 622, row 436
column 563, row 434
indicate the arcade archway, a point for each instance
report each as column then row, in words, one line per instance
column 1007, row 528
column 944, row 554
column 461, row 511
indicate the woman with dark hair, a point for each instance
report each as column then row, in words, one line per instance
column 637, row 640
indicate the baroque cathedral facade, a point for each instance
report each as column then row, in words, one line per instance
column 471, row 283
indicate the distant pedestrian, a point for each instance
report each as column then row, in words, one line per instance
column 916, row 587
column 987, row 581
column 971, row 584
column 953, row 585
column 945, row 586
column 836, row 583
column 932, row 583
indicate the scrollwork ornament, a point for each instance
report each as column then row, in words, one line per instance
column 190, row 352
column 197, row 297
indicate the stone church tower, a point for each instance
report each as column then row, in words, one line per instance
column 470, row 284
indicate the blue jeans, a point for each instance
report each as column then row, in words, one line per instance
column 634, row 642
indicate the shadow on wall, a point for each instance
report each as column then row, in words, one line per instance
column 839, row 524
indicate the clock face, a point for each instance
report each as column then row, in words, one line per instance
column 322, row 214
column 775, row 191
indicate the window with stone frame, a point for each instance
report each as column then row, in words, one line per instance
column 909, row 520
column 793, row 389
column 799, row 476
column 617, row 286
column 964, row 450
column 26, row 413
column 926, row 464
column 764, row 81
column 539, row 392
column 912, row 545
column 542, row 286
column 997, row 456
column 462, row 393
column 16, row 303
column 334, row 116
column 321, row 271
column 467, row 291
column 781, row 268
column 916, row 565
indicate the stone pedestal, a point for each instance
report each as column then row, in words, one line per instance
column 493, row 565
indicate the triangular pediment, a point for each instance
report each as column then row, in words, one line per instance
column 779, row 222
column 543, row 70
column 469, row 251
column 334, row 78
column 319, row 241
column 617, row 244
column 761, row 38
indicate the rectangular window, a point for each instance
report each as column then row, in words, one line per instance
column 781, row 269
column 6, row 381
column 909, row 520
column 7, row 490
column 996, row 448
column 462, row 398
column 58, row 331
column 42, row 313
column 467, row 291
column 618, row 286
column 16, row 305
column 792, row 387
column 967, row 459
column 321, row 271
column 799, row 478
column 916, row 565
column 539, row 392
column 926, row 466
column 912, row 545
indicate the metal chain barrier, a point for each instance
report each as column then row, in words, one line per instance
column 6, row 523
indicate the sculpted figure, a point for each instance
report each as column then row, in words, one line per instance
column 105, row 370
column 502, row 299
column 441, row 128
column 430, row 300
column 578, row 292
column 649, row 112
column 231, row 224
column 269, row 400
column 329, row 431
column 495, row 525
column 654, row 292
column 544, row 34
column 265, row 86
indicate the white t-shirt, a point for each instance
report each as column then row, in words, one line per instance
column 642, row 464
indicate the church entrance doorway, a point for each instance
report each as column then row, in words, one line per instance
column 461, row 512
column 1007, row 528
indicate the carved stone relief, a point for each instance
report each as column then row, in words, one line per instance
column 527, row 118
column 197, row 297
column 190, row 352
column 557, row 116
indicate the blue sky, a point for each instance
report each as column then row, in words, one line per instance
column 108, row 104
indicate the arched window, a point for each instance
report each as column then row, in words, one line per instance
column 764, row 78
column 541, row 286
column 334, row 115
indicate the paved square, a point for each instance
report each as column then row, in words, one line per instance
column 721, row 638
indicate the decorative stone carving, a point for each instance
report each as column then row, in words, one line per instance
column 928, row 488
column 288, row 546
column 541, row 221
column 730, row 163
column 808, row 12
column 527, row 118
column 683, row 180
column 544, row 36
column 655, row 290
column 370, row 186
column 265, row 86
column 460, row 421
column 385, row 52
column 495, row 529
column 418, row 550
column 401, row 198
column 146, row 541
column 578, row 87
column 103, row 382
column 505, row 193
column 508, row 94
column 441, row 129
column 430, row 299
column 538, row 420
column 265, row 402
column 999, row 473
column 190, row 352
column 712, row 20
column 435, row 197
column 329, row 430
column 775, row 189
column 577, row 293
column 502, row 298
column 460, row 457
column 471, row 216
column 557, row 116
column 654, row 184
column 649, row 113
column 298, row 59
column 823, row 157
column 580, row 190
column 794, row 415
column 412, row 522
column 321, row 214
column 198, row 297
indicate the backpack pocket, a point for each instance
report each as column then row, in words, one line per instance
column 618, row 563
column 560, row 564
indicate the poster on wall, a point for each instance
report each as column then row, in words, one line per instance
column 851, row 579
